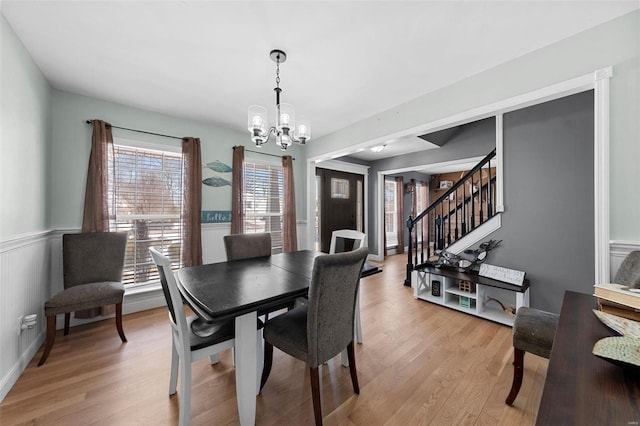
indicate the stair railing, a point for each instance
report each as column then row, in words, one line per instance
column 452, row 216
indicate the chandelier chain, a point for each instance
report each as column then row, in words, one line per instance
column 278, row 74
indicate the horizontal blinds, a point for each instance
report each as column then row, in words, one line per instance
column 147, row 203
column 263, row 198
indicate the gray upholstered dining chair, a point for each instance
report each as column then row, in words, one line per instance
column 191, row 340
column 338, row 240
column 245, row 246
column 321, row 329
column 92, row 270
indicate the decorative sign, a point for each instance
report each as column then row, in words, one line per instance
column 215, row 216
column 511, row 276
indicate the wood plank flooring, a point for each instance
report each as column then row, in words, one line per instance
column 420, row 364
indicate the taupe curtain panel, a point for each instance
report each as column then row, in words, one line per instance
column 400, row 212
column 96, row 202
column 95, row 217
column 192, row 206
column 289, row 232
column 237, row 189
column 424, row 187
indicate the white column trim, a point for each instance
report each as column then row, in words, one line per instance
column 499, row 162
column 601, row 173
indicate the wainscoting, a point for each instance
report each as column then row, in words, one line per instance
column 31, row 270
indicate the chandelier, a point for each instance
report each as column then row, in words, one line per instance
column 285, row 130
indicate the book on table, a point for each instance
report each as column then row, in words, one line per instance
column 619, row 310
column 618, row 293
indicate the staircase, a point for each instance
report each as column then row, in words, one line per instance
column 465, row 207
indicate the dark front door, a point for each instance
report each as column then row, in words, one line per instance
column 341, row 201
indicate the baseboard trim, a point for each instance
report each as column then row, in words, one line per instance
column 13, row 375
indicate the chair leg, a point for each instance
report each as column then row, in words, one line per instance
column 315, row 394
column 51, row 337
column 352, row 367
column 173, row 378
column 119, row 322
column 268, row 360
column 67, row 318
column 518, row 372
column 184, row 416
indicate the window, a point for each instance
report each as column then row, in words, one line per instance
column 390, row 213
column 263, row 200
column 146, row 201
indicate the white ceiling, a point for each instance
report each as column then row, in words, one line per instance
column 209, row 60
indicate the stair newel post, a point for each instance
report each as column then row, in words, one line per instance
column 407, row 281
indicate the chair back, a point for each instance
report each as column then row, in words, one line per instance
column 629, row 271
column 338, row 244
column 332, row 300
column 171, row 294
column 91, row 257
column 245, row 246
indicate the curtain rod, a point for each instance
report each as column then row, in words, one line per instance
column 140, row 131
column 266, row 153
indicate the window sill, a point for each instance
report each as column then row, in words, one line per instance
column 142, row 289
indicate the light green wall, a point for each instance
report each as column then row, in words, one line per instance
column 616, row 43
column 25, row 124
column 71, row 141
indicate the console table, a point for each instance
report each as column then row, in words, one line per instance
column 580, row 388
column 475, row 302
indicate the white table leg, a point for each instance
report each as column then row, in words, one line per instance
column 246, row 354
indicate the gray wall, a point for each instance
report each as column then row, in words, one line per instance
column 547, row 227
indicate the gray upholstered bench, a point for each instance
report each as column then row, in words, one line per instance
column 533, row 331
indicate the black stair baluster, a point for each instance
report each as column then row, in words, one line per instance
column 449, row 220
column 480, row 199
column 455, row 212
column 473, row 205
column 464, row 210
column 489, row 194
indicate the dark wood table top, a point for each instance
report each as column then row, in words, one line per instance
column 580, row 388
column 229, row 289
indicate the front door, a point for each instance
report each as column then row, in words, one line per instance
column 340, row 203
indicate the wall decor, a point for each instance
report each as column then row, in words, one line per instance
column 215, row 216
column 217, row 181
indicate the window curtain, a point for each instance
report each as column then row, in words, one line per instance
column 400, row 213
column 95, row 217
column 289, row 233
column 192, row 205
column 237, row 190
column 424, row 191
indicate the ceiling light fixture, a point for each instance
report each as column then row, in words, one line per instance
column 378, row 148
column 285, row 130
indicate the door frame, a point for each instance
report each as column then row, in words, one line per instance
column 340, row 166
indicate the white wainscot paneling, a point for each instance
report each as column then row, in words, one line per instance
column 24, row 287
column 618, row 250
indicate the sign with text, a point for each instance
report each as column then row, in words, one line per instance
column 510, row 276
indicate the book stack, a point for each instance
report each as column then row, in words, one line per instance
column 618, row 299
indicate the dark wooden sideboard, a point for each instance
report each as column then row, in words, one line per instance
column 580, row 388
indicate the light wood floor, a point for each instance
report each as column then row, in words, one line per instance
column 420, row 364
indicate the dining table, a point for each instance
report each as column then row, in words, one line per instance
column 243, row 290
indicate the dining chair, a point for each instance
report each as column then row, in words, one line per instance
column 319, row 330
column 340, row 241
column 245, row 246
column 92, row 264
column 190, row 343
